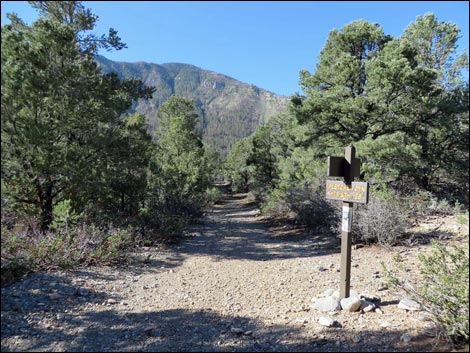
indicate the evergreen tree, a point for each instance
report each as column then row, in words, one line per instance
column 131, row 149
column 336, row 106
column 59, row 112
column 179, row 164
column 263, row 159
column 417, row 88
column 401, row 101
column 236, row 165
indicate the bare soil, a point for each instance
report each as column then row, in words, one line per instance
column 235, row 283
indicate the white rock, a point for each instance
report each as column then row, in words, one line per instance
column 351, row 304
column 367, row 306
column 326, row 321
column 327, row 304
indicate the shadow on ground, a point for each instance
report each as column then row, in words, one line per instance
column 234, row 230
column 200, row 330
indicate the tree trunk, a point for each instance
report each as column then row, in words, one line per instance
column 45, row 197
column 424, row 182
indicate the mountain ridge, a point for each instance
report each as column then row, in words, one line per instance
column 229, row 109
column 184, row 64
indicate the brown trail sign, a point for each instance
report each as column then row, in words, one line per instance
column 354, row 192
column 347, row 191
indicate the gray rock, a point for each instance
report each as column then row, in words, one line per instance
column 237, row 330
column 327, row 304
column 408, row 304
column 351, row 304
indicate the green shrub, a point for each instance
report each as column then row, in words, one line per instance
column 64, row 216
column 443, row 290
column 213, row 195
column 462, row 218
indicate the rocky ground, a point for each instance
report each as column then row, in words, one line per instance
column 233, row 284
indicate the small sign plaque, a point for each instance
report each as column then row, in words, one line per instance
column 346, row 224
column 355, row 192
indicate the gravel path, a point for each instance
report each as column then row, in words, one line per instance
column 232, row 284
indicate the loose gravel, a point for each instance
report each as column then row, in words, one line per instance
column 233, row 284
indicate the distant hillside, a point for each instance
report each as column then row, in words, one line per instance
column 229, row 108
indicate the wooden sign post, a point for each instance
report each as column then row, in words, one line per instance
column 347, row 191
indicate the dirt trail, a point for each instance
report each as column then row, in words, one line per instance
column 233, row 284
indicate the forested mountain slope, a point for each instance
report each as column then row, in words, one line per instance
column 229, row 109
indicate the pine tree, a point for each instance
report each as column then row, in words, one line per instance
column 179, row 164
column 59, row 112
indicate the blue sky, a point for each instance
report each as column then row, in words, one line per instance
column 265, row 43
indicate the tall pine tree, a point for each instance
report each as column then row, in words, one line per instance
column 59, row 112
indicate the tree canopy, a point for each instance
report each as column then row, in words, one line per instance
column 61, row 116
column 402, row 101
